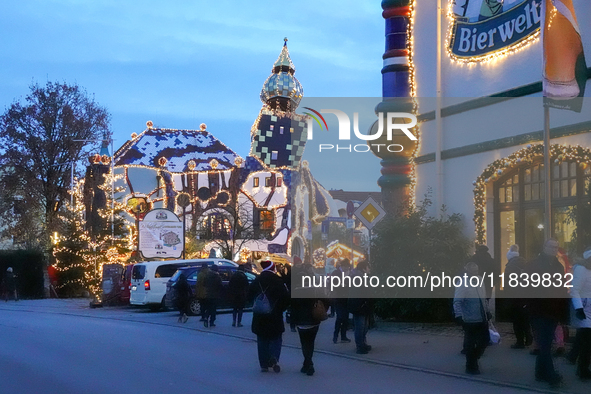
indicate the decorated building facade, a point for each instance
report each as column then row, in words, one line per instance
column 262, row 203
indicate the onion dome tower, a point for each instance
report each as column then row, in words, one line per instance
column 279, row 134
column 282, row 90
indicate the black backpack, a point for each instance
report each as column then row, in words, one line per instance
column 262, row 305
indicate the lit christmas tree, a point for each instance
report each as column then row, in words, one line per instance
column 81, row 250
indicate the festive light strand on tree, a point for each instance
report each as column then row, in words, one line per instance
column 80, row 257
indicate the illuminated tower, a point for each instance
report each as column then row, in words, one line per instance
column 279, row 134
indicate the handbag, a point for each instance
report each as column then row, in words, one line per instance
column 319, row 311
column 495, row 337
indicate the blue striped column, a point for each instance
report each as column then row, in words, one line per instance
column 395, row 181
column 395, row 73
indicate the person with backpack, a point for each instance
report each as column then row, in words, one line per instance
column 238, row 290
column 271, row 299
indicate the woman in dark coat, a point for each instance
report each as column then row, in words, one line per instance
column 10, row 285
column 302, row 315
column 269, row 327
column 238, row 290
column 183, row 298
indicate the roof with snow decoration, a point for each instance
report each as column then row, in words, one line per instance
column 177, row 150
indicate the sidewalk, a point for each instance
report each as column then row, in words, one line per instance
column 428, row 348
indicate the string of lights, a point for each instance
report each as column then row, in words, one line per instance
column 524, row 156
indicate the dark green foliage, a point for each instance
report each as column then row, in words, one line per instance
column 39, row 139
column 28, row 266
column 416, row 244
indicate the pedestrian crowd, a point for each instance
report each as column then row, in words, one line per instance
column 306, row 312
column 270, row 295
column 540, row 314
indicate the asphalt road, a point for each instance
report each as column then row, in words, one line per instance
column 48, row 351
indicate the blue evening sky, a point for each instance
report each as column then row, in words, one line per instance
column 182, row 63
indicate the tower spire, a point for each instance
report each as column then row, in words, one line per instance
column 282, row 90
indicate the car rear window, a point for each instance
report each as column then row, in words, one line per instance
column 193, row 276
column 166, row 270
column 176, row 276
column 139, row 272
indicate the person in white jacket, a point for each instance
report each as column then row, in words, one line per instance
column 471, row 311
column 581, row 299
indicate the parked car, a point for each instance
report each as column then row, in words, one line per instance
column 111, row 283
column 126, row 284
column 148, row 279
column 191, row 274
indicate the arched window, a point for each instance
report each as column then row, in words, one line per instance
column 519, row 198
column 215, row 226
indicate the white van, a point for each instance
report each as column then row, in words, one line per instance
column 148, row 279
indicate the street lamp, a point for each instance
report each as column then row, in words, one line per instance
column 73, row 163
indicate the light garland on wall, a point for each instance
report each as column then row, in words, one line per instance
column 558, row 154
column 129, row 144
column 413, row 94
column 170, row 173
column 265, row 189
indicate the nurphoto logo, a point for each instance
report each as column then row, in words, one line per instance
column 402, row 121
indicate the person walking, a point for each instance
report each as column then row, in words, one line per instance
column 183, row 298
column 548, row 306
column 285, row 273
column 581, row 300
column 213, row 291
column 269, row 327
column 200, row 289
column 472, row 313
column 10, row 285
column 238, row 291
column 486, row 266
column 362, row 309
column 340, row 300
column 517, row 311
column 329, row 268
column 306, row 315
